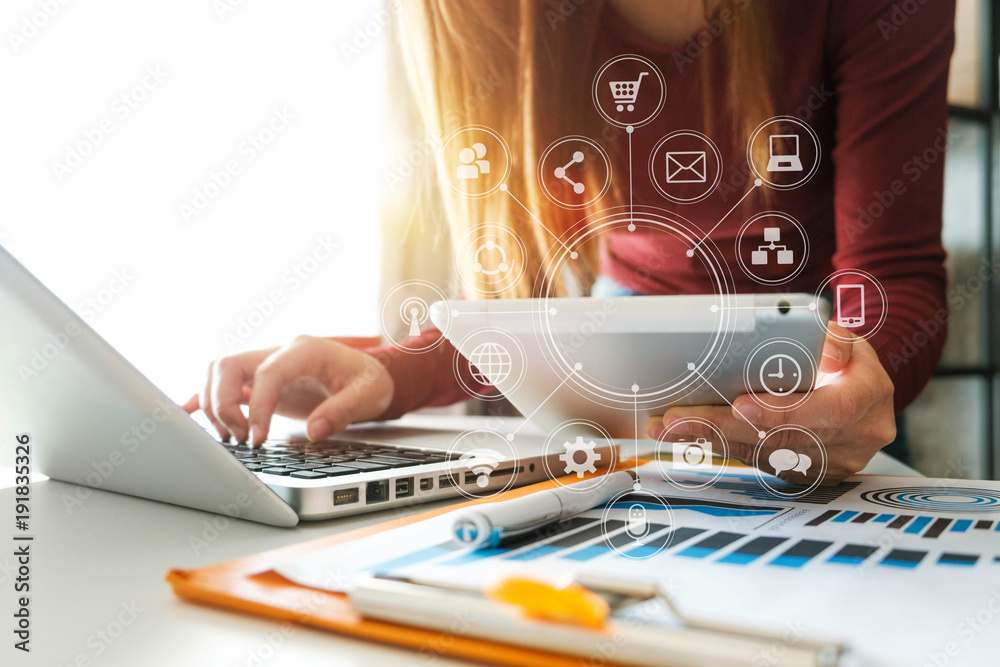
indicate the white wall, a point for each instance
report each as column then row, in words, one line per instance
column 222, row 69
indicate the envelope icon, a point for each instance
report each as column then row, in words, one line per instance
column 687, row 167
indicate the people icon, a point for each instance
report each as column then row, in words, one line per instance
column 473, row 162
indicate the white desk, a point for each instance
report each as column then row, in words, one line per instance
column 89, row 566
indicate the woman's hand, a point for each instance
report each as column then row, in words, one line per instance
column 850, row 410
column 325, row 382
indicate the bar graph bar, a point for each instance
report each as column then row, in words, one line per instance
column 937, row 528
column 421, row 556
column 864, row 517
column 619, row 540
column 845, row 516
column 822, row 518
column 884, row 518
column 711, row 544
column 752, row 550
column 961, row 525
column 853, row 554
column 900, row 521
column 671, row 539
column 801, row 553
column 592, row 532
column 962, row 560
column 916, row 526
column 906, row 558
column 984, row 524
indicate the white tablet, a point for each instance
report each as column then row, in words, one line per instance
column 615, row 362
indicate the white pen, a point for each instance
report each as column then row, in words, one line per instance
column 491, row 524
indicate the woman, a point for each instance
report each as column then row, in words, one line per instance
column 868, row 78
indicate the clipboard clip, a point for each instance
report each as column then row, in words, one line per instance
column 573, row 618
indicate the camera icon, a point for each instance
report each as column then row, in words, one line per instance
column 695, row 455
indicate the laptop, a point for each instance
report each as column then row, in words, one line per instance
column 788, row 160
column 96, row 421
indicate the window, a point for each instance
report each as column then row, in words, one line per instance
column 197, row 178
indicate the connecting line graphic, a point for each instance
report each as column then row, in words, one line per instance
column 691, row 367
column 510, row 436
column 631, row 213
column 716, row 308
column 756, row 184
column 550, row 311
column 635, row 412
column 572, row 253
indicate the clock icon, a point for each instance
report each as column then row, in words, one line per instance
column 780, row 375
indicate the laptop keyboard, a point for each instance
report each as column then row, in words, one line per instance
column 330, row 458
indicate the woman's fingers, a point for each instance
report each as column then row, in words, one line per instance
column 205, row 401
column 365, row 397
column 850, row 411
column 837, row 349
column 193, row 404
column 358, row 387
column 229, row 376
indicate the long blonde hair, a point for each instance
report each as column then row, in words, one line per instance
column 506, row 65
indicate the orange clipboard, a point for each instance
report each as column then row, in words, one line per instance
column 250, row 585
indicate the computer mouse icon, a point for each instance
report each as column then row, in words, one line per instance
column 637, row 526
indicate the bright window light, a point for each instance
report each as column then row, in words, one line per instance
column 196, row 178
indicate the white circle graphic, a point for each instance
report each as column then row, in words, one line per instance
column 622, row 85
column 785, row 155
column 470, row 161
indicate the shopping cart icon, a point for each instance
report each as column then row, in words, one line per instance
column 625, row 92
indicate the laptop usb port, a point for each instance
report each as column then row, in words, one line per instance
column 345, row 496
column 404, row 487
column 448, row 481
column 427, row 483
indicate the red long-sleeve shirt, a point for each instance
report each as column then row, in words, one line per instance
column 870, row 78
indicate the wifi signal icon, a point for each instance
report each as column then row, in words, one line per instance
column 482, row 462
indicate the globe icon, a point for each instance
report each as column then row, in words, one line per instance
column 490, row 363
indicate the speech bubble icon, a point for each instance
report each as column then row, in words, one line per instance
column 783, row 459
column 804, row 464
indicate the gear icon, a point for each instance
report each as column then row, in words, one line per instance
column 590, row 457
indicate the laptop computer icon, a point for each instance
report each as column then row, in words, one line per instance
column 784, row 151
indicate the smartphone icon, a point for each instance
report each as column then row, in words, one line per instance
column 848, row 294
